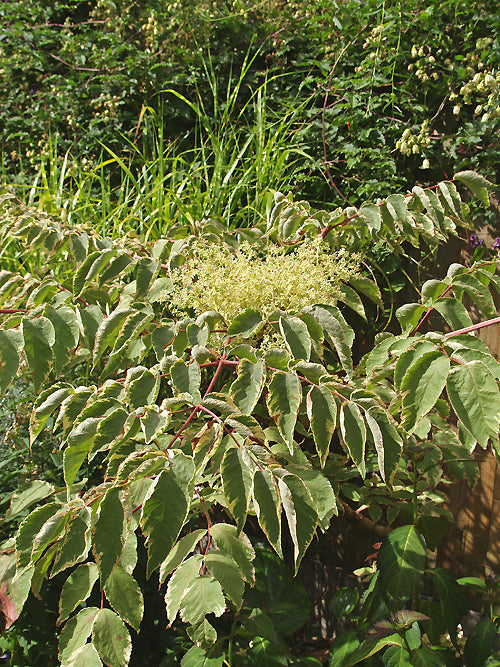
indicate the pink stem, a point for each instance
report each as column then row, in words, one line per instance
column 473, row 327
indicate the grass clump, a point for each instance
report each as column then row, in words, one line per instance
column 217, row 278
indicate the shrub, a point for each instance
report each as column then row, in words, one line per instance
column 182, row 436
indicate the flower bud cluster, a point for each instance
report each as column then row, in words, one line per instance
column 374, row 38
column 413, row 144
column 107, row 103
column 151, row 30
column 482, row 87
column 373, row 43
column 425, row 65
column 483, row 90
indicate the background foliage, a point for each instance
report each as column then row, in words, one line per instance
column 386, row 91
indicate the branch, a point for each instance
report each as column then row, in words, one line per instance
column 474, row 327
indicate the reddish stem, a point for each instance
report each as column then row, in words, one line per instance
column 198, row 407
column 474, row 327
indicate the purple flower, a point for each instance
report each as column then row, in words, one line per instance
column 475, row 241
column 496, row 243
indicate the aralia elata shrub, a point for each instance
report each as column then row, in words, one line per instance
column 190, row 401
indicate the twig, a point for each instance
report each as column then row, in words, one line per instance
column 474, row 327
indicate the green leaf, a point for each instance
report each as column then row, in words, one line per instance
column 186, row 379
column 432, row 290
column 473, row 582
column 312, row 372
column 162, row 337
column 51, row 401
column 474, row 396
column 477, row 292
column 351, row 299
column 147, row 270
column 476, row 183
column 107, row 332
column 389, row 447
column 111, row 639
column 263, row 653
column 196, row 657
column 268, row 507
column 128, row 558
column 71, row 407
column 86, row 656
column 260, row 624
column 353, row 433
column 15, row 587
column 124, row 595
column 160, row 289
column 39, row 337
column 107, row 533
column 409, row 357
column 428, row 657
column 278, row 359
column 79, row 243
column 454, row 312
column 452, row 600
column 245, row 324
column 203, row 634
column 91, row 268
column 67, row 333
column 197, row 335
column 397, row 207
column 283, row 402
column 320, row 490
column 466, row 356
column 11, row 343
column 342, row 647
column 397, row 656
column 480, row 644
column 370, row 647
column 369, row 288
column 322, row 415
column 110, row 429
column 37, row 490
column 28, row 530
column 80, row 443
column 76, row 589
column 236, row 472
column 344, row 601
column 371, row 214
column 75, row 634
column 247, row 388
column 75, row 544
column 49, row 532
column 165, row 509
column 338, row 334
column 422, row 385
column 153, row 422
column 179, row 584
column 400, row 563
column 116, row 267
column 237, row 546
column 300, row 512
column 296, row 337
column 246, row 426
column 409, row 316
column 227, row 573
column 179, row 552
column 141, row 387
